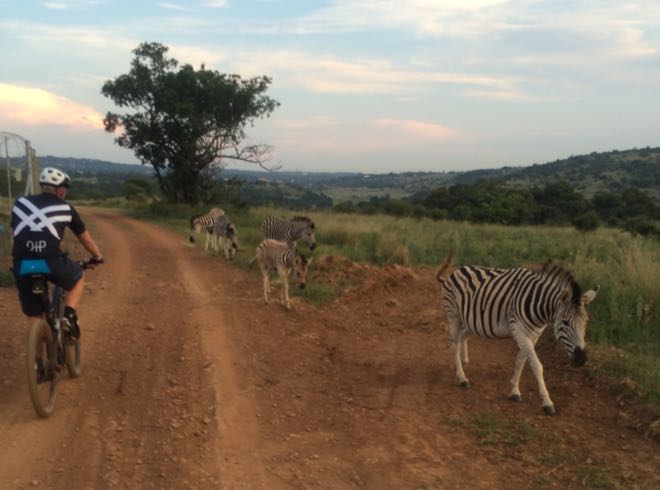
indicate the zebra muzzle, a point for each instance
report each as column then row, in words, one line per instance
column 302, row 285
column 579, row 357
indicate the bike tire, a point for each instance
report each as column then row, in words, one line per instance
column 73, row 357
column 41, row 350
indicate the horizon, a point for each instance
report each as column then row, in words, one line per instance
column 364, row 87
column 256, row 169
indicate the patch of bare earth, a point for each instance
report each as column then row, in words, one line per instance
column 191, row 381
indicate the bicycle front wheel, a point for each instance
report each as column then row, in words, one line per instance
column 41, row 363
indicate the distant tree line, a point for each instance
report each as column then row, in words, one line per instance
column 492, row 201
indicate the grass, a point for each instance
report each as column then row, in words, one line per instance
column 594, row 477
column 492, row 431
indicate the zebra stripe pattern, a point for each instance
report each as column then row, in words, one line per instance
column 276, row 255
column 518, row 303
column 204, row 222
column 225, row 231
column 297, row 228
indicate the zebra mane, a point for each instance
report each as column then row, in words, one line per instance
column 562, row 278
column 304, row 219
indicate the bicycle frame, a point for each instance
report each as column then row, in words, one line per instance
column 53, row 304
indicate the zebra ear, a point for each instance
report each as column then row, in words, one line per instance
column 589, row 296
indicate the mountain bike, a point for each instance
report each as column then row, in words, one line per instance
column 50, row 348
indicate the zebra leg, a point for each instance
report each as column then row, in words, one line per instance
column 457, row 337
column 264, row 275
column 284, row 276
column 526, row 345
column 464, row 350
column 521, row 359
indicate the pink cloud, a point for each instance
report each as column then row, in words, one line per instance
column 31, row 106
column 422, row 130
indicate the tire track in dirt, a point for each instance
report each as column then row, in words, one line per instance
column 143, row 414
column 237, row 442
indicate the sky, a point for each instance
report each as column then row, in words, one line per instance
column 364, row 86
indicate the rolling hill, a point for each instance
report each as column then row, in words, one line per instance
column 607, row 171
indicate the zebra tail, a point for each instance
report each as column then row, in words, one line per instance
column 251, row 263
column 444, row 268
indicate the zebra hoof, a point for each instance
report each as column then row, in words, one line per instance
column 515, row 398
column 464, row 384
column 549, row 410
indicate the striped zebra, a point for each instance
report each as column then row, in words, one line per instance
column 518, row 303
column 204, row 222
column 297, row 228
column 276, row 255
column 225, row 231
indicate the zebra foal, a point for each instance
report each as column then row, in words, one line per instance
column 297, row 228
column 518, row 303
column 276, row 255
column 225, row 231
column 204, row 222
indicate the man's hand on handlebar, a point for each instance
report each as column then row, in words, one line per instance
column 92, row 262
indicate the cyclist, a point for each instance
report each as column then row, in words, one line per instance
column 38, row 224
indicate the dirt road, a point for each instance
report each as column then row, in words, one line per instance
column 190, row 381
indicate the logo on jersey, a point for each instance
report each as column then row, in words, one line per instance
column 36, row 246
column 36, row 219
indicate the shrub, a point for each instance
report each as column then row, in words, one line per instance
column 588, row 221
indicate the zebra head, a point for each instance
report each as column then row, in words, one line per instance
column 302, row 266
column 230, row 231
column 195, row 227
column 571, row 321
column 307, row 231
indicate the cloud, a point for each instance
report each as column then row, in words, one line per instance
column 325, row 135
column 217, row 4
column 174, row 6
column 46, row 36
column 71, row 4
column 311, row 122
column 422, row 130
column 329, row 74
column 32, row 106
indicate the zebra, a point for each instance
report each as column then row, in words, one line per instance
column 280, row 256
column 518, row 303
column 201, row 222
column 225, row 231
column 297, row 228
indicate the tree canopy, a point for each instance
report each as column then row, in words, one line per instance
column 184, row 122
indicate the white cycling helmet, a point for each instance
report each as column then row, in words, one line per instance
column 53, row 177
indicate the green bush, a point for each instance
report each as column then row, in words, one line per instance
column 588, row 221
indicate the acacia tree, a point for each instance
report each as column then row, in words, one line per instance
column 184, row 122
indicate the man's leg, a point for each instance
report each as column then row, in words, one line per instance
column 73, row 296
column 75, row 293
column 32, row 319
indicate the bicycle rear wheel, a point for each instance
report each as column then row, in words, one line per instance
column 72, row 357
column 41, row 362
